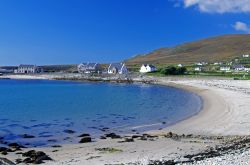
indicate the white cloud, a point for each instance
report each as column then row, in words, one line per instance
column 219, row 6
column 241, row 26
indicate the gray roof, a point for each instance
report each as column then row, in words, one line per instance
column 27, row 66
column 150, row 65
column 89, row 64
column 238, row 66
column 118, row 66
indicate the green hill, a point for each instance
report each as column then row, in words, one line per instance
column 214, row 49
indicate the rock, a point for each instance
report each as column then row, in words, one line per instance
column 18, row 161
column 3, row 149
column 143, row 137
column 127, row 140
column 4, row 153
column 56, row 146
column 40, row 159
column 4, row 161
column 113, row 136
column 29, row 153
column 189, row 136
column 26, row 136
column 86, row 139
column 103, row 137
column 169, row 135
column 27, row 160
column 69, row 131
column 136, row 136
column 36, row 157
column 84, row 135
column 15, row 145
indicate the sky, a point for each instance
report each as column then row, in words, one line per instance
column 73, row 31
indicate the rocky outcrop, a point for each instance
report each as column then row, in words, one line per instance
column 35, row 157
column 4, row 161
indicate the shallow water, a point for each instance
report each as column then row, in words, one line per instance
column 46, row 108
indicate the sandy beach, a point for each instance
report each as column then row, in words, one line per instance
column 225, row 113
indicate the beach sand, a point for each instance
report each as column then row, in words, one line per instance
column 225, row 112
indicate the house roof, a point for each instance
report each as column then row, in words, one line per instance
column 238, row 66
column 150, row 65
column 89, row 64
column 27, row 66
column 116, row 65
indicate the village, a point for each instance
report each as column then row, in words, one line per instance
column 240, row 65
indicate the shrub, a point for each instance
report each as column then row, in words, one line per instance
column 171, row 70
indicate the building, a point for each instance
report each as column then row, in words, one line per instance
column 199, row 69
column 199, row 64
column 89, row 68
column 239, row 67
column 28, row 69
column 117, row 68
column 245, row 55
column 218, row 63
column 146, row 68
column 247, row 69
column 225, row 68
column 180, row 65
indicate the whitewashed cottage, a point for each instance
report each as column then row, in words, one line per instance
column 245, row 55
column 117, row 68
column 225, row 68
column 146, row 68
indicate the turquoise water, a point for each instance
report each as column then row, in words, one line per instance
column 46, row 108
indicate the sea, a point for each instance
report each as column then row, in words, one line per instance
column 57, row 112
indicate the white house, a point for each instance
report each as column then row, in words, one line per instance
column 117, row 68
column 89, row 68
column 198, row 69
column 199, row 64
column 28, row 69
column 218, row 63
column 245, row 55
column 180, row 65
column 225, row 68
column 247, row 69
column 146, row 68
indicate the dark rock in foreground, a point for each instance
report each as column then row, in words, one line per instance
column 4, row 161
column 35, row 157
column 113, row 136
column 16, row 145
column 86, row 139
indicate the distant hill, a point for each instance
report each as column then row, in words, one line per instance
column 221, row 48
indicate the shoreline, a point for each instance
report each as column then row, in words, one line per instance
column 224, row 115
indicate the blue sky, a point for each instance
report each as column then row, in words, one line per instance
column 73, row 31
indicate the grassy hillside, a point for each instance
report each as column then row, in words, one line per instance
column 221, row 48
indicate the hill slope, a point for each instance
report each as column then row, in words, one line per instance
column 213, row 49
